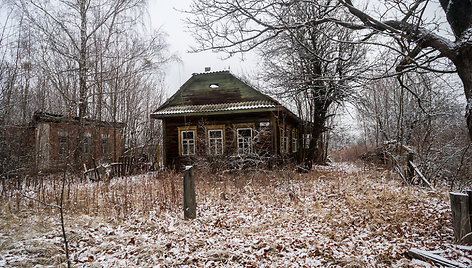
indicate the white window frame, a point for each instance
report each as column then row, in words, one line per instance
column 306, row 140
column 294, row 141
column 242, row 140
column 283, row 141
column 187, row 142
column 217, row 141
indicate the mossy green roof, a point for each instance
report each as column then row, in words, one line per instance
column 226, row 88
column 216, row 92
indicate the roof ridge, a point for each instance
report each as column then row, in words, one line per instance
column 216, row 107
column 215, row 72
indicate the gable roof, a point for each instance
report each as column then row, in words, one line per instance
column 215, row 93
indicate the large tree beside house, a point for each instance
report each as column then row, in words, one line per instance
column 242, row 25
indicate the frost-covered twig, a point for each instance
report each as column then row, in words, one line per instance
column 39, row 201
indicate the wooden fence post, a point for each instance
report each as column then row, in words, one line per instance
column 461, row 217
column 190, row 206
column 411, row 171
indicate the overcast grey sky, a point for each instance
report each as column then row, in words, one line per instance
column 164, row 14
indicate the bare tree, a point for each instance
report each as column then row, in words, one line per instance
column 313, row 71
column 314, row 62
column 67, row 29
column 241, row 25
column 405, row 22
column 427, row 120
column 124, row 69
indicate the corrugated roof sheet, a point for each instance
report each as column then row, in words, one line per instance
column 186, row 109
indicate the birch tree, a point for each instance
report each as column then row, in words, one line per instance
column 67, row 29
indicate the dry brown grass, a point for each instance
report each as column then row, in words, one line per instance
column 333, row 217
column 118, row 197
column 349, row 154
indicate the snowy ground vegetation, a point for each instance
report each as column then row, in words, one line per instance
column 334, row 216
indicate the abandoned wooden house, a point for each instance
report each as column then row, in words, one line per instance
column 215, row 114
column 55, row 140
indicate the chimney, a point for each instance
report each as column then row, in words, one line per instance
column 207, row 69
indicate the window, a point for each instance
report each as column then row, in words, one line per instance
column 244, row 136
column 215, row 141
column 283, row 141
column 63, row 143
column 87, row 144
column 105, row 145
column 294, row 141
column 306, row 141
column 188, row 142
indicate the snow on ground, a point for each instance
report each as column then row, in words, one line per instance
column 336, row 216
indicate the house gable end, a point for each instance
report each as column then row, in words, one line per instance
column 214, row 88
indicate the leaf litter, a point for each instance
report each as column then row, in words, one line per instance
column 336, row 216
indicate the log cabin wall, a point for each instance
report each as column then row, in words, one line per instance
column 266, row 127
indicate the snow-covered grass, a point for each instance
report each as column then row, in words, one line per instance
column 336, row 216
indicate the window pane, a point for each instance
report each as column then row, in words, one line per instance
column 215, row 133
column 191, row 149
column 245, row 132
column 187, row 134
column 184, row 149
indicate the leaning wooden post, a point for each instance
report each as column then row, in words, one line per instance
column 190, row 206
column 411, row 171
column 460, row 217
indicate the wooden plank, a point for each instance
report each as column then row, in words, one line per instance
column 460, row 217
column 408, row 149
column 428, row 256
column 190, row 206
column 420, row 174
column 401, row 175
column 411, row 168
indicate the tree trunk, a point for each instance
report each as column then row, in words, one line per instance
column 464, row 69
column 315, row 154
column 82, row 82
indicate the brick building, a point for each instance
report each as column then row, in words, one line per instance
column 55, row 141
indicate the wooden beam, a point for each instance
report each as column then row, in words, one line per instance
column 410, row 173
column 420, row 174
column 429, row 256
column 401, row 175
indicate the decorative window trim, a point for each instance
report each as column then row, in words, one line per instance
column 223, row 138
column 187, row 129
